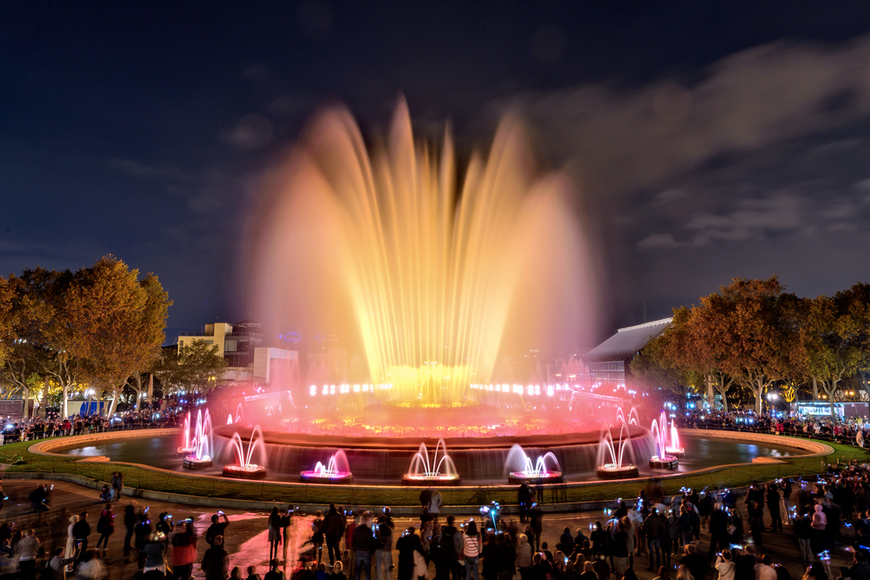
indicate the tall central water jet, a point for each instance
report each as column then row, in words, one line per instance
column 425, row 261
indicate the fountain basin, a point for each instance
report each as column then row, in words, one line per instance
column 544, row 477
column 250, row 471
column 427, row 480
column 313, row 476
column 191, row 461
column 676, row 451
column 612, row 471
column 666, row 462
column 185, row 450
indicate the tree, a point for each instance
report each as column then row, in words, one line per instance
column 679, row 348
column 834, row 341
column 744, row 329
column 195, row 367
column 119, row 322
column 7, row 319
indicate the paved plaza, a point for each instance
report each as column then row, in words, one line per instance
column 246, row 537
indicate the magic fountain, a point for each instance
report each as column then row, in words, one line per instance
column 245, row 468
column 437, row 471
column 662, row 460
column 520, row 468
column 616, row 458
column 428, row 264
column 197, row 452
column 336, row 470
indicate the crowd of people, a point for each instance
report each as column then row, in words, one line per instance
column 696, row 535
column 847, row 430
column 52, row 425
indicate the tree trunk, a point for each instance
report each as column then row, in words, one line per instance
column 44, row 404
column 150, row 388
column 112, row 405
column 25, row 414
column 64, row 407
column 815, row 389
column 711, row 398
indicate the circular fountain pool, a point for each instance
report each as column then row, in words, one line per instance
column 578, row 464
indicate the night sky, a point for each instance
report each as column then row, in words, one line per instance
column 706, row 140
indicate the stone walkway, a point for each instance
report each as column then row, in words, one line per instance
column 247, row 537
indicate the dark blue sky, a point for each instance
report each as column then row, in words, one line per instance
column 707, row 140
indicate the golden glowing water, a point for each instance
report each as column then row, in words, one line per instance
column 425, row 266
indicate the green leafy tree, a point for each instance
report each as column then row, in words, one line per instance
column 195, row 367
column 119, row 322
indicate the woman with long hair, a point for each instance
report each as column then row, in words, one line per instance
column 471, row 549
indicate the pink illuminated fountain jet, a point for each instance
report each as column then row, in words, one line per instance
column 198, row 451
column 663, row 460
column 674, row 447
column 336, row 470
column 546, row 468
column 245, row 468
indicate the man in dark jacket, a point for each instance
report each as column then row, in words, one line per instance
column 654, row 528
column 81, row 530
column 363, row 546
column 407, row 545
column 216, row 560
column 333, row 525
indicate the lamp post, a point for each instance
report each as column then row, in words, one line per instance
column 771, row 401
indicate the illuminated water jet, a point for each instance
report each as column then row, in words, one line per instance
column 428, row 265
column 199, row 451
column 336, row 470
column 438, row 471
column 520, row 468
column 616, row 468
column 245, row 469
column 662, row 460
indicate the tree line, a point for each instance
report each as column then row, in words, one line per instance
column 752, row 336
column 98, row 328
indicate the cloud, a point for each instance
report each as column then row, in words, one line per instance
column 624, row 139
column 669, row 196
column 251, row 132
column 660, row 241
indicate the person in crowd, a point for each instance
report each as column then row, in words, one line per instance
column 334, row 524
column 654, row 528
column 337, row 573
column 105, row 527
column 81, row 530
column 184, row 551
column 724, row 566
column 236, row 573
column 28, row 549
column 317, row 536
column 216, row 561
column 524, row 556
column 276, row 530
column 130, row 521
column 410, row 548
column 154, row 552
column 56, row 566
column 252, row 574
column 217, row 527
column 274, row 572
column 384, row 548
column 363, row 542
column 471, row 550
column 91, row 567
column 506, row 557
